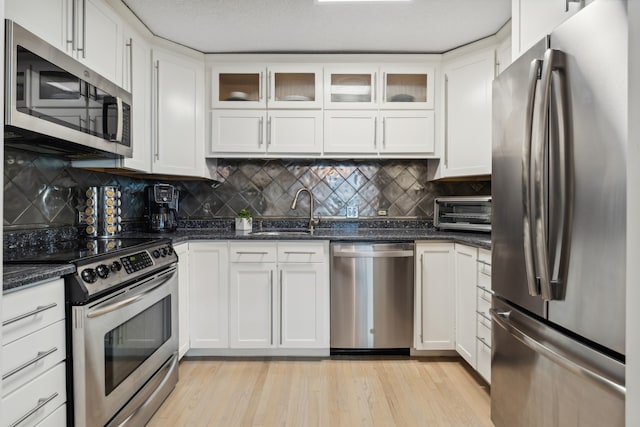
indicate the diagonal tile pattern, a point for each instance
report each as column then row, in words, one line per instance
column 42, row 191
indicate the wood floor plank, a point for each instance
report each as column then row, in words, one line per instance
column 326, row 392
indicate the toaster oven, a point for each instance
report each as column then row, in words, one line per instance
column 463, row 213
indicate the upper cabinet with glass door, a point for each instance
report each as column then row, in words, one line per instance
column 350, row 87
column 258, row 86
column 407, row 87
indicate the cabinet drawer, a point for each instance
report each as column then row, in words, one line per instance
column 484, row 280
column 35, row 354
column 484, row 256
column 301, row 252
column 56, row 419
column 484, row 331
column 248, row 252
column 483, row 306
column 28, row 310
column 37, row 398
column 483, row 362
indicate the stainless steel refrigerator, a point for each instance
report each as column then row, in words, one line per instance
column 559, row 234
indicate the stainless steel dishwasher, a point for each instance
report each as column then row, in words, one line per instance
column 372, row 297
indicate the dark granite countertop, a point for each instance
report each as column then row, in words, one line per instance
column 16, row 276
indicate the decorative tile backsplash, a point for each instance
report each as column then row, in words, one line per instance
column 44, row 191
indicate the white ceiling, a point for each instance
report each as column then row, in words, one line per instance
column 225, row 26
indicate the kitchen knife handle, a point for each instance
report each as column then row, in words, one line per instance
column 527, row 230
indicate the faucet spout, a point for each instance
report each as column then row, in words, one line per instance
column 312, row 221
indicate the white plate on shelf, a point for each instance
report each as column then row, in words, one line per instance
column 238, row 96
column 295, row 98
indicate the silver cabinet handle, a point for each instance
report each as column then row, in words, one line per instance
column 375, row 132
column 130, row 46
column 39, row 356
column 261, row 86
column 375, row 88
column 41, row 402
column 483, row 341
column 251, row 253
column 269, row 87
column 271, row 306
column 269, row 131
column 281, row 298
column 446, row 121
column 157, row 144
column 260, row 127
column 384, row 87
column 422, row 298
column 73, row 26
column 483, row 315
column 38, row 309
column 384, row 131
column 527, row 224
column 503, row 320
column 299, row 253
column 84, row 29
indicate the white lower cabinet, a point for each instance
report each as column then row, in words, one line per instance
column 182, row 250
column 466, row 270
column 434, row 327
column 33, row 356
column 208, row 295
column 279, row 295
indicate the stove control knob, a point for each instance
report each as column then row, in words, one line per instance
column 164, row 252
column 170, row 250
column 156, row 253
column 89, row 275
column 116, row 266
column 102, row 271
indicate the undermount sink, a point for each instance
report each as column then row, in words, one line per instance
column 280, row 233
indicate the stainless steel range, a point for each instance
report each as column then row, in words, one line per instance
column 122, row 320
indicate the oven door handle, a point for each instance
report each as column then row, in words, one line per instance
column 109, row 306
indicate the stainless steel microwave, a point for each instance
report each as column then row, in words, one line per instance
column 56, row 105
column 463, row 213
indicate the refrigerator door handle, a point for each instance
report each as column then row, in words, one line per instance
column 532, row 283
column 506, row 322
column 539, row 170
column 562, row 178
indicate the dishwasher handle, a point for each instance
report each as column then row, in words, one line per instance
column 374, row 254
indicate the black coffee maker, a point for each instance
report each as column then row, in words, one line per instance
column 161, row 208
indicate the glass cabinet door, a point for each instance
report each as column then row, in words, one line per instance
column 348, row 87
column 294, row 86
column 408, row 87
column 238, row 87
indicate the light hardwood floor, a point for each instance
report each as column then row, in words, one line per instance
column 327, row 392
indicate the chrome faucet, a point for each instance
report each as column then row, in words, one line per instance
column 312, row 221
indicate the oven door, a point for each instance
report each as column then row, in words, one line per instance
column 119, row 342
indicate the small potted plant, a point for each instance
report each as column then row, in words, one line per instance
column 244, row 220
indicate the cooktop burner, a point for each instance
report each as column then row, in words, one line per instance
column 71, row 250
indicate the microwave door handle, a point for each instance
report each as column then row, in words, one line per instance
column 532, row 284
column 563, row 178
column 120, row 107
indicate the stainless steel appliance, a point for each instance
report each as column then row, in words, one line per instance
column 372, row 297
column 161, row 207
column 467, row 213
column 122, row 317
column 559, row 234
column 56, row 105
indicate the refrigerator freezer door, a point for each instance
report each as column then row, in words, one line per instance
column 510, row 95
column 540, row 377
column 596, row 76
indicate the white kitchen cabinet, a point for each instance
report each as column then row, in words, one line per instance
column 33, row 353
column 466, row 299
column 88, row 30
column 467, row 114
column 208, row 295
column 483, row 327
column 294, row 86
column 534, row 19
column 282, row 132
column 178, row 137
column 303, row 269
column 407, row 87
column 350, row 132
column 350, row 87
column 435, row 307
column 279, row 295
column 407, row 132
column 182, row 250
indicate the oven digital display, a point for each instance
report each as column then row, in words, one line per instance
column 136, row 262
